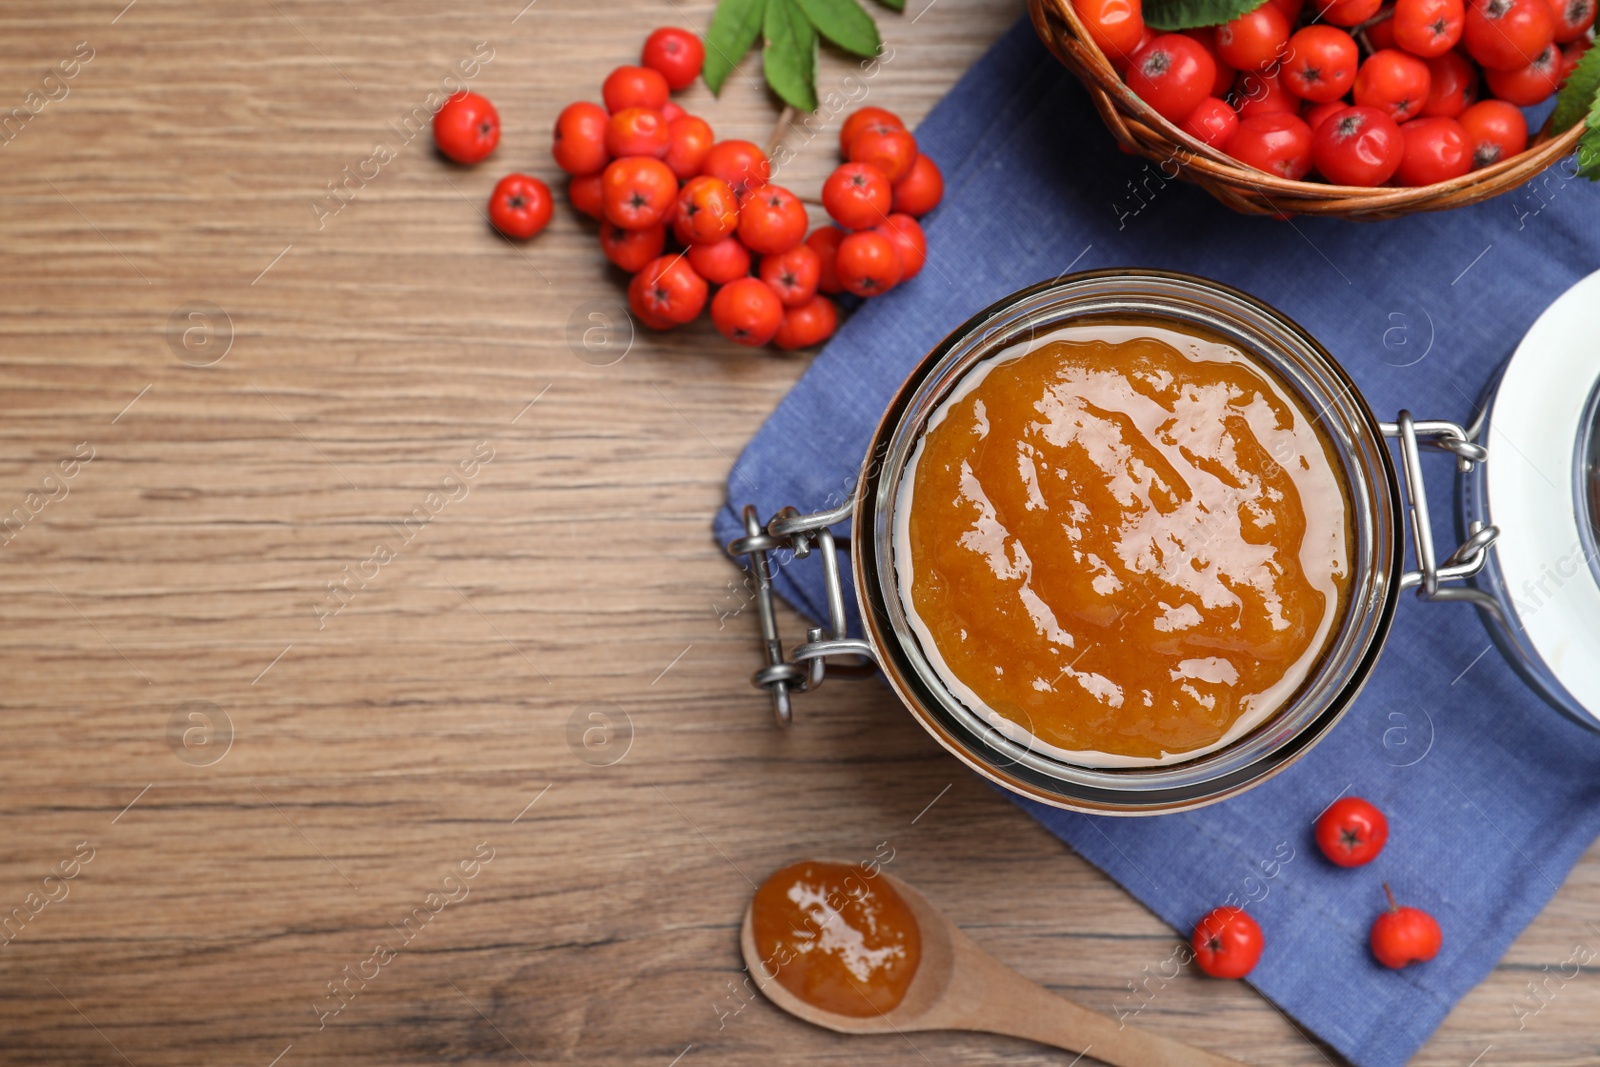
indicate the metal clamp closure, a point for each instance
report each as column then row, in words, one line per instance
column 804, row 668
column 1469, row 557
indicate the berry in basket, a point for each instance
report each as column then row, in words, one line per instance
column 1356, row 92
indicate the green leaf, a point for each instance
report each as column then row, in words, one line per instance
column 845, row 24
column 1588, row 154
column 894, row 5
column 789, row 59
column 1187, row 14
column 733, row 31
column 1578, row 95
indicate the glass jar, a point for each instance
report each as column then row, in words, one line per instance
column 1382, row 497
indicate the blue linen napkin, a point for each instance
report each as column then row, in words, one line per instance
column 1491, row 796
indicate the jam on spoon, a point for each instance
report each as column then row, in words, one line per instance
column 837, row 936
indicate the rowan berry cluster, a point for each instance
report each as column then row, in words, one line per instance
column 697, row 222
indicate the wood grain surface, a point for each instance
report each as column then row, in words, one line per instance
column 241, row 389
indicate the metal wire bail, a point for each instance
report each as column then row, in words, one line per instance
column 806, row 666
column 1470, row 556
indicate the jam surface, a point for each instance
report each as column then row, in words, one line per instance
column 1129, row 540
column 836, row 936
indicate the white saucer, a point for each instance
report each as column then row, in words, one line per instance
column 1531, row 487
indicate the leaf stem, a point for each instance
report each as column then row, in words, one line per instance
column 779, row 129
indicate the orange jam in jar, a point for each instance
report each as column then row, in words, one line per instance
column 837, row 936
column 1124, row 544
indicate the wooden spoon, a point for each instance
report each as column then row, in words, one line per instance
column 959, row 986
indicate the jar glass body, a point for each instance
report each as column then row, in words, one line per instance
column 1362, row 463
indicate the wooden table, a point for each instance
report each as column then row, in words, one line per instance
column 361, row 577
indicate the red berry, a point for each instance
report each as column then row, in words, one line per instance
column 809, row 324
column 1348, row 12
column 889, row 148
column 668, row 288
column 1497, row 130
column 857, row 195
column 637, row 191
column 707, row 210
column 579, row 146
column 1394, row 82
column 825, row 242
column 1212, row 122
column 1436, row 150
column 1120, row 63
column 520, row 206
column 793, row 275
column 1357, row 146
column 1380, row 34
column 1452, row 85
column 868, row 263
column 1227, row 943
column 1530, row 85
column 861, row 119
column 1254, row 39
column 1507, row 34
column 1290, row 9
column 634, row 87
column 1571, row 55
column 1351, row 832
column 1428, row 28
column 1322, row 63
column 1315, row 113
column 1207, row 38
column 771, row 220
column 739, row 163
column 1276, row 143
column 1258, row 93
column 747, row 311
column 637, row 131
column 691, row 140
column 632, row 250
column 721, row 261
column 1404, row 935
column 676, row 54
column 909, row 240
column 1115, row 26
column 676, row 221
column 650, row 319
column 1172, row 74
column 1573, row 18
column 466, row 128
column 920, row 191
column 670, row 110
column 587, row 193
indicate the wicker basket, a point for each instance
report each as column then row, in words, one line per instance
column 1256, row 192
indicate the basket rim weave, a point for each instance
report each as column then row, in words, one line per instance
column 1137, row 126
